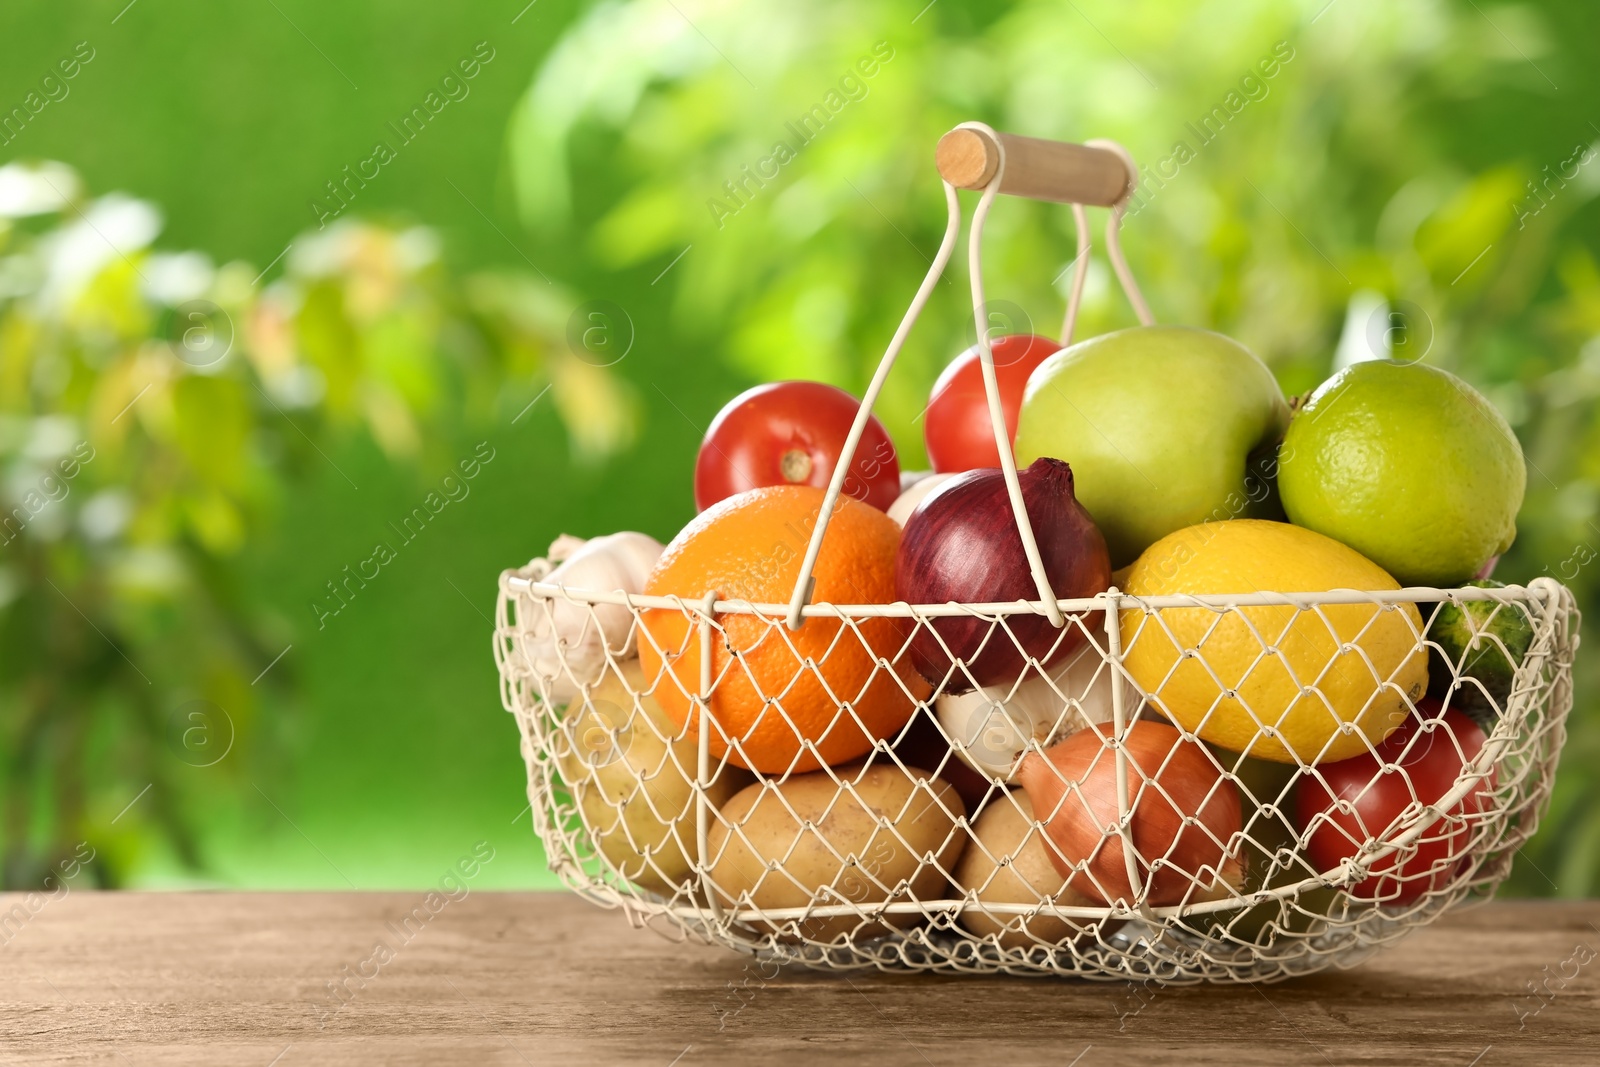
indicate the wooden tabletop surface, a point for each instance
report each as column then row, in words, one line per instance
column 533, row 978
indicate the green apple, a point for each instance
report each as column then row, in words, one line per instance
column 1162, row 426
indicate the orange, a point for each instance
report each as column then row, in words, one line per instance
column 786, row 697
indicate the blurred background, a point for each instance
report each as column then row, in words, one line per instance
column 271, row 274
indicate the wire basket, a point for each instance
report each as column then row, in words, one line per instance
column 922, row 853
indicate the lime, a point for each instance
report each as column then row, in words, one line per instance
column 1275, row 682
column 1408, row 465
column 1481, row 643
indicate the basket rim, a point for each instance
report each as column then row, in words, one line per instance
column 1539, row 592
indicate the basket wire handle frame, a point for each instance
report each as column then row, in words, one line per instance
column 991, row 389
column 1119, row 262
column 1044, row 164
column 1080, row 274
column 1034, row 182
column 702, row 773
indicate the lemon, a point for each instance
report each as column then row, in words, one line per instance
column 1273, row 682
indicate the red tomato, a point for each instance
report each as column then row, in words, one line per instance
column 791, row 433
column 1420, row 761
column 957, row 431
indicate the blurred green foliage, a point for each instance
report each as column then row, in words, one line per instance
column 1389, row 154
column 156, row 409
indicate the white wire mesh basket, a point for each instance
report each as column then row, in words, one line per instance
column 921, row 852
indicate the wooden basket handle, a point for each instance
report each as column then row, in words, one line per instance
column 1057, row 171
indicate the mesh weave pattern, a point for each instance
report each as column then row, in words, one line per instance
column 922, row 856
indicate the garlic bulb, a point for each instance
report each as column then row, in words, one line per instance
column 913, row 493
column 991, row 727
column 565, row 642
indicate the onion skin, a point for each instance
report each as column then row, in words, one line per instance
column 961, row 545
column 1176, row 862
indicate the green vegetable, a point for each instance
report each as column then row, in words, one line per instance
column 1480, row 645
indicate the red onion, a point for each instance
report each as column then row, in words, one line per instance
column 1073, row 788
column 962, row 545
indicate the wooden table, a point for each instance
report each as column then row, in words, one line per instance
column 496, row 978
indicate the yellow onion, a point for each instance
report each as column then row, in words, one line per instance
column 1171, row 780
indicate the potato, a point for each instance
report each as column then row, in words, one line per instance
column 636, row 800
column 1015, row 870
column 881, row 835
